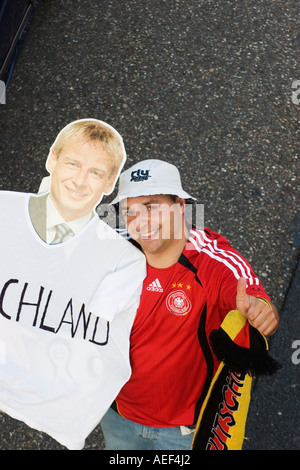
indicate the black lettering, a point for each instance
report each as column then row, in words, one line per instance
column 69, row 306
column 234, row 384
column 217, row 433
column 229, row 399
column 2, row 295
column 42, row 325
column 214, row 443
column 211, row 445
column 95, row 331
column 226, row 419
column 37, row 305
column 81, row 315
column 100, row 335
column 85, row 321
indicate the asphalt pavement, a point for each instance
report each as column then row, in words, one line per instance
column 207, row 85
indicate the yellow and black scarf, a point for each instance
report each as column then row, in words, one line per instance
column 243, row 353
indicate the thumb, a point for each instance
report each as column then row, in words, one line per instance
column 242, row 303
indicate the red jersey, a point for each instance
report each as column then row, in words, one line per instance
column 171, row 358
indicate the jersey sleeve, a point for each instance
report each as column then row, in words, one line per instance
column 224, row 266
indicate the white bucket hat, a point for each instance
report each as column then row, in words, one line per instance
column 150, row 177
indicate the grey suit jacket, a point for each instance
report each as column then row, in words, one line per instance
column 37, row 211
column 38, row 214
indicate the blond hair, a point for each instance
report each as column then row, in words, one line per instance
column 93, row 130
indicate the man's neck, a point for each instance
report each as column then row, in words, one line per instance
column 68, row 218
column 54, row 217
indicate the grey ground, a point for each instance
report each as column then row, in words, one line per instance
column 206, row 85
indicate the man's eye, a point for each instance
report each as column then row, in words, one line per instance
column 128, row 213
column 98, row 174
column 153, row 207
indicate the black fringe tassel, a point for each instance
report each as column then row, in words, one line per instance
column 254, row 361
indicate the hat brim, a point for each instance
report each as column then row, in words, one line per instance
column 182, row 194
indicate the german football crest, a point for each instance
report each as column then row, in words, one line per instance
column 178, row 303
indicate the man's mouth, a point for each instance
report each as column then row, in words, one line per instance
column 75, row 193
column 150, row 234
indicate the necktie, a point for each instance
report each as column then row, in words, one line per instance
column 63, row 233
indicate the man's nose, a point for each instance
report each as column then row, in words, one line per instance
column 80, row 178
column 143, row 226
column 141, row 220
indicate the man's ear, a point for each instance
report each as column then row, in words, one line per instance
column 51, row 161
column 181, row 202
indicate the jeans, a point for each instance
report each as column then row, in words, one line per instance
column 123, row 434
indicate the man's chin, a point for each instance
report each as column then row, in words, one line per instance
column 150, row 245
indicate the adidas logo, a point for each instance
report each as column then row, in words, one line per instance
column 155, row 286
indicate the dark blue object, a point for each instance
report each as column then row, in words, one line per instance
column 14, row 15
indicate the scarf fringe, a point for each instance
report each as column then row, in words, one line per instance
column 243, row 360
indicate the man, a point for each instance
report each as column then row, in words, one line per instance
column 69, row 290
column 194, row 278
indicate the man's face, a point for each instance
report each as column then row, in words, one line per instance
column 80, row 175
column 155, row 222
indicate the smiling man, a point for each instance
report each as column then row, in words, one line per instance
column 156, row 223
column 69, row 290
column 84, row 163
column 80, row 175
column 194, row 278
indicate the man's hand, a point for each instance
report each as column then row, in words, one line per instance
column 261, row 316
